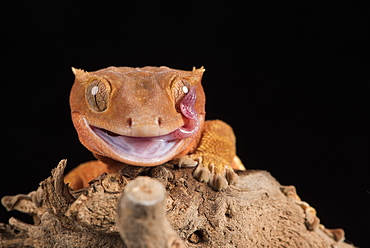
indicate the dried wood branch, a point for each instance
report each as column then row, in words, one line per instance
column 141, row 216
column 257, row 212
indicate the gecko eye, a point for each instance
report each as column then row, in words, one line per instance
column 97, row 94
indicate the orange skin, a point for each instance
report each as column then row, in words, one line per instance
column 146, row 117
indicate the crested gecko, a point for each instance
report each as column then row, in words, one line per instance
column 146, row 117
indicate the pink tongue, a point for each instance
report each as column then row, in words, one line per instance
column 187, row 109
column 187, row 104
column 143, row 147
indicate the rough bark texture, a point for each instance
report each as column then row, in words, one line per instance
column 257, row 212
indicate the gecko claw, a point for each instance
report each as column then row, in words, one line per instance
column 211, row 169
column 187, row 161
column 202, row 174
column 231, row 176
column 219, row 182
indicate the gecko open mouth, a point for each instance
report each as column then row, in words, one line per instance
column 144, row 147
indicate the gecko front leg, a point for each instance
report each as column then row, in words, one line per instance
column 215, row 156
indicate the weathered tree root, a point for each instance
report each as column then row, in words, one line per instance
column 257, row 212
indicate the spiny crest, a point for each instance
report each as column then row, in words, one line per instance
column 196, row 75
column 84, row 76
column 78, row 72
column 200, row 70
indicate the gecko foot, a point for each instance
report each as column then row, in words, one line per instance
column 211, row 169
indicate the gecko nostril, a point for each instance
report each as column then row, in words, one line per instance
column 129, row 122
column 159, row 121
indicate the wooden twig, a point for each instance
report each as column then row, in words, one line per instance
column 141, row 216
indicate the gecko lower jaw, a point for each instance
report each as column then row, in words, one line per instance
column 138, row 147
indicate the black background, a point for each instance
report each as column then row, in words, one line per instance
column 293, row 81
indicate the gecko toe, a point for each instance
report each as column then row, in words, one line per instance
column 231, row 177
column 187, row 161
column 202, row 174
column 219, row 182
column 211, row 169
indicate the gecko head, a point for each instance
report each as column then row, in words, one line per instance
column 138, row 116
